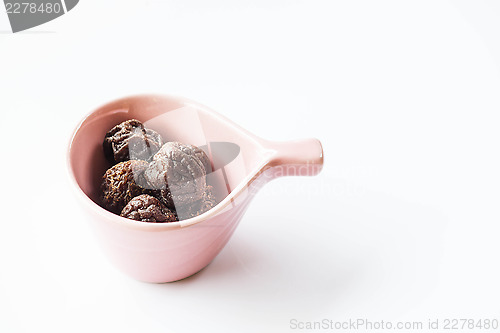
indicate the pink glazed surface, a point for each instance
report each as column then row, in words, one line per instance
column 165, row 252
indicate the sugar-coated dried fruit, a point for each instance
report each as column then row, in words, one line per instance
column 121, row 183
column 165, row 196
column 152, row 181
column 202, row 156
column 147, row 208
column 130, row 140
column 187, row 149
column 207, row 202
column 177, row 169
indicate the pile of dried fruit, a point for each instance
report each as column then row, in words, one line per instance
column 151, row 181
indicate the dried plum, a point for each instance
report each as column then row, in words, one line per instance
column 207, row 202
column 121, row 183
column 147, row 209
column 152, row 181
column 165, row 196
column 130, row 140
column 178, row 170
column 189, row 150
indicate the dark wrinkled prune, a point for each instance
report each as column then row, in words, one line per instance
column 121, row 183
column 202, row 156
column 179, row 171
column 147, row 209
column 207, row 202
column 131, row 141
column 187, row 149
column 165, row 196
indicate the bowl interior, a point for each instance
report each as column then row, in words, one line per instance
column 235, row 153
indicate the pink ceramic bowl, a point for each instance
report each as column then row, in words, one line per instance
column 242, row 163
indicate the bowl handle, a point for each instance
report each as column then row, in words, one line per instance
column 296, row 158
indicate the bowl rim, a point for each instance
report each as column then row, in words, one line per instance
column 141, row 225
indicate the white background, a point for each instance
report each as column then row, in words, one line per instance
column 402, row 224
